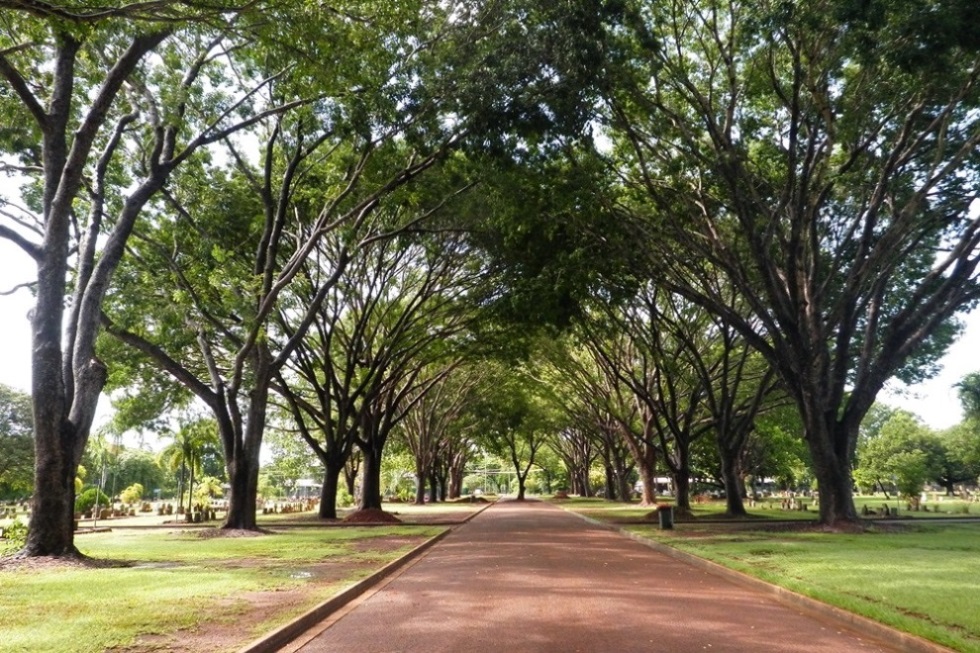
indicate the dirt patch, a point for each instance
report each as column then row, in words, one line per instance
column 384, row 544
column 234, row 631
column 371, row 516
column 221, row 635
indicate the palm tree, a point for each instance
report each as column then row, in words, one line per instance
column 186, row 452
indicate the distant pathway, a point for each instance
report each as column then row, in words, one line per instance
column 525, row 577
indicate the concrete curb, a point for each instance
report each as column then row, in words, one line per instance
column 903, row 641
column 282, row 636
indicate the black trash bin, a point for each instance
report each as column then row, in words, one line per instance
column 666, row 515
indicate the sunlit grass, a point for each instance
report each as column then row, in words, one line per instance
column 921, row 579
column 451, row 511
column 178, row 581
column 770, row 508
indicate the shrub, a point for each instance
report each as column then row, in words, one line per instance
column 344, row 498
column 16, row 532
column 131, row 495
column 86, row 500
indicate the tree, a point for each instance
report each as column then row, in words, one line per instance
column 774, row 448
column 968, row 390
column 736, row 384
column 398, row 309
column 436, row 427
column 513, row 421
column 185, row 453
column 692, row 372
column 586, row 396
column 98, row 125
column 577, row 450
column 16, row 443
column 769, row 148
column 905, row 454
column 961, row 456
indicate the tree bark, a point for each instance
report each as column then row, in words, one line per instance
column 832, row 469
column 521, row 480
column 455, row 482
column 646, row 465
column 419, row 488
column 433, row 488
column 51, row 532
column 732, row 478
column 682, row 477
column 611, row 493
column 371, row 479
column 328, row 493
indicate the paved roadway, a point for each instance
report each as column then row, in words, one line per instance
column 529, row 577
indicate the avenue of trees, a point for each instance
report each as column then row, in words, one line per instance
column 670, row 237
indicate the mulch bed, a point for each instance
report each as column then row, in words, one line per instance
column 371, row 516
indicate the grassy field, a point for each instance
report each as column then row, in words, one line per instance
column 181, row 581
column 769, row 509
column 920, row 578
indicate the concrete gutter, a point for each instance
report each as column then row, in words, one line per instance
column 285, row 634
column 902, row 641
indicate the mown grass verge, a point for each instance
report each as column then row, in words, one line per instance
column 180, row 581
column 921, row 578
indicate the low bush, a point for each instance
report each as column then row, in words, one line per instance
column 86, row 500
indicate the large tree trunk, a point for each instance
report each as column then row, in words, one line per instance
column 732, row 477
column 244, row 462
column 645, row 457
column 443, row 480
column 328, row 493
column 624, row 490
column 371, row 483
column 647, row 465
column 243, row 479
column 521, row 480
column 51, row 531
column 833, row 473
column 455, row 482
column 681, row 474
column 611, row 493
column 420, row 474
column 433, row 488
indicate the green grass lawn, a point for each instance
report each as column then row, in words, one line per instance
column 922, row 579
column 769, row 509
column 407, row 512
column 613, row 511
column 180, row 580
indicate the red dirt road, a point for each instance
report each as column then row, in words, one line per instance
column 524, row 577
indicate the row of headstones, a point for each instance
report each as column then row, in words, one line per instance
column 289, row 507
